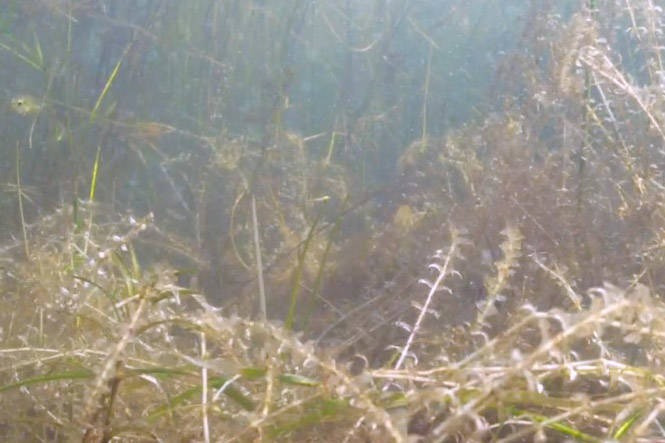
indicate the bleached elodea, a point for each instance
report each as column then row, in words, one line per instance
column 443, row 266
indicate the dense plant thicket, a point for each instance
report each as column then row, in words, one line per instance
column 332, row 221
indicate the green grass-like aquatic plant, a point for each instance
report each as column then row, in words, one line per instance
column 129, row 316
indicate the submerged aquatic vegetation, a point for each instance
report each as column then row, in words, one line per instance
column 99, row 347
column 318, row 156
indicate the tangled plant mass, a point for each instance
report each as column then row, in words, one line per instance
column 504, row 283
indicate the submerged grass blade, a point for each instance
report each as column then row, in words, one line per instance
column 316, row 412
column 109, row 83
column 259, row 262
column 556, row 426
column 230, row 391
column 318, row 284
column 95, row 170
column 38, row 50
column 23, row 58
column 298, row 380
column 627, row 425
column 19, row 190
column 57, row 376
column 297, row 278
column 91, row 197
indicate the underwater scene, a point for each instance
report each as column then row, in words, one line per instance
column 332, row 220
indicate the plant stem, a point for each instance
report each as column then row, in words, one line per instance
column 19, row 190
column 259, row 265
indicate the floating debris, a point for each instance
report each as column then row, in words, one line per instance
column 26, row 105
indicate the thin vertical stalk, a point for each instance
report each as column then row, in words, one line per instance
column 259, row 264
column 19, row 190
column 297, row 277
column 41, row 327
column 204, row 390
column 428, row 74
column 91, row 197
